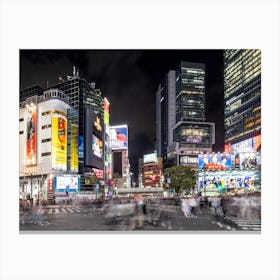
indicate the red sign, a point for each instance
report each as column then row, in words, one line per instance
column 98, row 172
column 31, row 153
column 50, row 183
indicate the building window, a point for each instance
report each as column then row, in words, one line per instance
column 46, row 154
column 46, row 140
column 21, row 120
column 46, row 126
column 21, row 132
column 53, row 112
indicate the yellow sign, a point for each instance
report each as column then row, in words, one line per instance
column 97, row 124
column 74, row 148
column 59, row 143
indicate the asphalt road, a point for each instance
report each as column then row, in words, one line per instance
column 161, row 216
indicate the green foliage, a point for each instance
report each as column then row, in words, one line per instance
column 182, row 178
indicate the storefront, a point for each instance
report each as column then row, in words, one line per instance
column 33, row 188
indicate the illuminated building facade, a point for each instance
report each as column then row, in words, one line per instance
column 151, row 170
column 242, row 96
column 85, row 125
column 120, row 160
column 182, row 130
column 44, row 144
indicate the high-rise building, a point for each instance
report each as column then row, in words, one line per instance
column 166, row 115
column 182, row 132
column 44, row 145
column 242, row 97
column 85, row 123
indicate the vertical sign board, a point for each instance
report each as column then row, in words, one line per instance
column 59, row 143
column 74, row 148
column 31, row 149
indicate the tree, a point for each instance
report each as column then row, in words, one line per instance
column 182, row 178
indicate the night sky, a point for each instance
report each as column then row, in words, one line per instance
column 129, row 79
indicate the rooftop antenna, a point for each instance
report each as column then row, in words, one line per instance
column 74, row 71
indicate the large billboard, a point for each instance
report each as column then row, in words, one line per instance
column 31, row 148
column 214, row 161
column 247, row 146
column 74, row 162
column 93, row 144
column 249, row 160
column 119, row 137
column 66, row 182
column 59, row 143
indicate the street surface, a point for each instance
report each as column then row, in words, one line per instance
column 160, row 215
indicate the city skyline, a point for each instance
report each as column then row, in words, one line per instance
column 129, row 79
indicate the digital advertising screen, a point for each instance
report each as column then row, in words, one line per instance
column 59, row 143
column 31, row 148
column 250, row 145
column 249, row 160
column 215, row 161
column 106, row 111
column 81, row 146
column 66, row 183
column 194, row 138
column 119, row 137
column 93, row 140
column 97, row 146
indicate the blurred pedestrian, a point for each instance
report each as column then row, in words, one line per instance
column 193, row 204
column 144, row 207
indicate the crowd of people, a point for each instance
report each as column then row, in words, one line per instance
column 246, row 206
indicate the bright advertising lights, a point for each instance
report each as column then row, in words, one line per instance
column 119, row 137
column 67, row 183
column 31, row 148
column 59, row 143
column 215, row 161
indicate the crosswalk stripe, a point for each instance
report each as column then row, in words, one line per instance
column 70, row 210
column 50, row 211
column 56, row 211
column 247, row 224
column 64, row 210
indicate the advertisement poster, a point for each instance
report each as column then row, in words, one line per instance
column 96, row 146
column 215, row 161
column 81, row 146
column 66, row 183
column 31, row 149
column 119, row 138
column 74, row 148
column 249, row 160
column 106, row 111
column 250, row 145
column 59, row 143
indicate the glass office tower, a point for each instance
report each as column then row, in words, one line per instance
column 242, row 95
column 182, row 132
column 190, row 92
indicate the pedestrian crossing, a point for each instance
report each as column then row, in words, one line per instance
column 246, row 223
column 72, row 209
